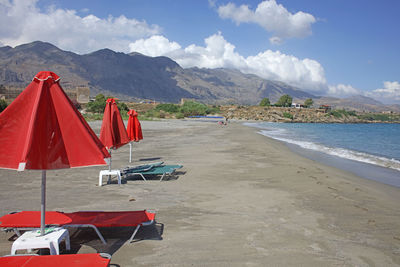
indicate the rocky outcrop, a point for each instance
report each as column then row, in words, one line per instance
column 278, row 114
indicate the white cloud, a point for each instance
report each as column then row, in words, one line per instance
column 66, row 29
column 154, row 46
column 390, row 93
column 343, row 90
column 273, row 17
column 218, row 53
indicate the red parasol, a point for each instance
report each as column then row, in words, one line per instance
column 134, row 130
column 42, row 130
column 113, row 133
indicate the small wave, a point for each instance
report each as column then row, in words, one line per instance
column 338, row 152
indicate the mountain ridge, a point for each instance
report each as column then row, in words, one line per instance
column 135, row 76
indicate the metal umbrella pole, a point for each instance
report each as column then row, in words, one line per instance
column 43, row 204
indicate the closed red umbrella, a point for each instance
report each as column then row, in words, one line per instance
column 134, row 130
column 42, row 130
column 113, row 133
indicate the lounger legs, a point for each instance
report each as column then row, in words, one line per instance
column 134, row 233
column 90, row 226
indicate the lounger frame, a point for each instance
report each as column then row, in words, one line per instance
column 95, row 228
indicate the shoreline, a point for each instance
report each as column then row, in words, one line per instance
column 361, row 168
column 240, row 199
column 365, row 170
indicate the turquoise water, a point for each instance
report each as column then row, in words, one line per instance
column 377, row 144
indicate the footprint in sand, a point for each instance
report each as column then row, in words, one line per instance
column 364, row 209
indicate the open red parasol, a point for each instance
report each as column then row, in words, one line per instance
column 42, row 130
column 134, row 130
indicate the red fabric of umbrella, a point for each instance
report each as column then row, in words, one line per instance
column 134, row 129
column 41, row 130
column 112, row 132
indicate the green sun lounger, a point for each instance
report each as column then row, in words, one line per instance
column 162, row 170
column 141, row 168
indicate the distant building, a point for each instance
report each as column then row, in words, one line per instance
column 326, row 108
column 80, row 94
column 297, row 105
column 83, row 94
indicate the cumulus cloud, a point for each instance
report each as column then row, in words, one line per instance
column 343, row 90
column 273, row 17
column 154, row 46
column 219, row 53
column 390, row 93
column 25, row 22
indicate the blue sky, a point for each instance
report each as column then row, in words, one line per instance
column 326, row 47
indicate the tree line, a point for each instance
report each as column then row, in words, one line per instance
column 284, row 101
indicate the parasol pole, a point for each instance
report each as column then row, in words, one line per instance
column 109, row 167
column 43, row 204
column 130, row 151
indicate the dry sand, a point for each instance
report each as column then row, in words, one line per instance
column 241, row 200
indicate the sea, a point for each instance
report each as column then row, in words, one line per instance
column 370, row 150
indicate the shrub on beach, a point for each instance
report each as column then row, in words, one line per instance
column 98, row 105
column 339, row 113
column 189, row 108
column 192, row 108
column 170, row 108
column 3, row 105
column 284, row 101
column 265, row 102
column 288, row 115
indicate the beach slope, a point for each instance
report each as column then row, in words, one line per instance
column 241, row 199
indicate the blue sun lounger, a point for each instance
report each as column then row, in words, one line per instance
column 162, row 170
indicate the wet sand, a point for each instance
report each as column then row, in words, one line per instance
column 241, row 199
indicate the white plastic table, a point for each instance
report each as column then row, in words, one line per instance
column 109, row 172
column 51, row 240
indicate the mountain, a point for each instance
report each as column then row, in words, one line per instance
column 357, row 103
column 135, row 76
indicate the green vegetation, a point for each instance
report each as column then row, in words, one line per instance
column 380, row 117
column 265, row 102
column 189, row 108
column 97, row 107
column 339, row 113
column 284, row 101
column 308, row 103
column 288, row 115
column 3, row 105
column 170, row 108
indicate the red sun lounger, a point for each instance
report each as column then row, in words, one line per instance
column 94, row 219
column 78, row 260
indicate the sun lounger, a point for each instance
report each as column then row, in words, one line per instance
column 78, row 260
column 162, row 170
column 25, row 220
column 144, row 167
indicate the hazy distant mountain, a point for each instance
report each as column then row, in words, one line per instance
column 135, row 76
column 358, row 103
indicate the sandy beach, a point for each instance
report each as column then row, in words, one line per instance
column 241, row 199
